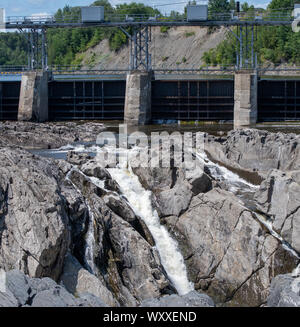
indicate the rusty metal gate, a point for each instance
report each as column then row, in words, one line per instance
column 9, row 100
column 87, row 100
column 206, row 100
column 278, row 100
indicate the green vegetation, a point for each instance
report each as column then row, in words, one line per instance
column 13, row 49
column 189, row 34
column 164, row 29
column 67, row 46
column 272, row 44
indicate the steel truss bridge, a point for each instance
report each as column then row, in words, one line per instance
column 242, row 25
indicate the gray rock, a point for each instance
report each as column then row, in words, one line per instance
column 256, row 150
column 17, row 284
column 47, row 135
column 34, row 232
column 54, row 297
column 93, row 169
column 279, row 198
column 78, row 280
column 228, row 253
column 90, row 300
column 284, row 292
column 123, row 254
column 175, row 201
column 23, row 291
column 7, row 300
column 192, row 299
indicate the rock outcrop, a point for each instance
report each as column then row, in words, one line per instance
column 228, row 253
column 22, row 291
column 279, row 198
column 47, row 135
column 34, row 235
column 256, row 150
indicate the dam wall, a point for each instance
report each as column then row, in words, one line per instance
column 140, row 99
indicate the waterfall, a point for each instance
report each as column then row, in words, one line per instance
column 140, row 201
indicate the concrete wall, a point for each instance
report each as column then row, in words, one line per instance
column 33, row 103
column 138, row 98
column 245, row 98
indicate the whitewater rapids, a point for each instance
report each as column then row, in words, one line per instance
column 140, row 201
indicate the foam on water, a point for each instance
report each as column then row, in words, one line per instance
column 140, row 201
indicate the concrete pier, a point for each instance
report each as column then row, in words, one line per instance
column 245, row 98
column 138, row 98
column 33, row 103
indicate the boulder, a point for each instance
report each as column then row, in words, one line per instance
column 192, row 299
column 284, row 291
column 23, row 291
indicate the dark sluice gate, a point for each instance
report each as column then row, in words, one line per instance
column 9, row 100
column 278, row 100
column 193, row 100
column 86, row 100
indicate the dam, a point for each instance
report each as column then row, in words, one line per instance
column 243, row 93
column 171, row 99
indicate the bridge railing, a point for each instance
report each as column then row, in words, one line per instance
column 284, row 14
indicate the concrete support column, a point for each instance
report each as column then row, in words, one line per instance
column 245, row 98
column 138, row 98
column 33, row 103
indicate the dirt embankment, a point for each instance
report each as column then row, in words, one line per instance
column 181, row 47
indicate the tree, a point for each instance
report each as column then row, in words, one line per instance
column 232, row 4
column 218, row 6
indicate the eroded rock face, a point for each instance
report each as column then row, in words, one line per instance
column 256, row 150
column 279, row 198
column 227, row 252
column 34, row 233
